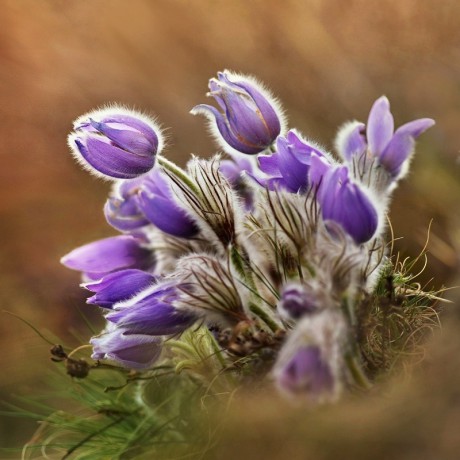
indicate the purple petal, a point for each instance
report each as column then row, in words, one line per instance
column 352, row 143
column 306, row 372
column 107, row 255
column 138, row 124
column 153, row 314
column 127, row 139
column 111, row 160
column 166, row 215
column 118, row 286
column 294, row 173
column 269, row 164
column 380, row 126
column 398, row 151
column 135, row 351
column 416, row 127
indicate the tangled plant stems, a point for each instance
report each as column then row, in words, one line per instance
column 269, row 265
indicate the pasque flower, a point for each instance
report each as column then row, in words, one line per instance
column 343, row 201
column 118, row 286
column 122, row 210
column 288, row 167
column 134, row 351
column 159, row 205
column 116, row 143
column 296, row 301
column 152, row 312
column 379, row 140
column 98, row 258
column 249, row 120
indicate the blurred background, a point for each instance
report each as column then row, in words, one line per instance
column 326, row 60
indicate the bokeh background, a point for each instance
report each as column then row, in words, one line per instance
column 327, row 60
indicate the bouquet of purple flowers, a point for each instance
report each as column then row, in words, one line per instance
column 266, row 265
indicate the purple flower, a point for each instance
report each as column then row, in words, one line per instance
column 115, row 143
column 306, row 372
column 296, row 301
column 249, row 120
column 122, row 209
column 152, row 312
column 104, row 256
column 118, row 286
column 135, row 351
column 391, row 148
column 288, row 167
column 158, row 204
column 235, row 171
column 343, row 202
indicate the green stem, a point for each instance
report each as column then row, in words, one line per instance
column 178, row 172
column 357, row 372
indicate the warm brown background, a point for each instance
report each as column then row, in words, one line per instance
column 326, row 60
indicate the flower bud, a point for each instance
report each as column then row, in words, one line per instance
column 134, row 351
column 250, row 119
column 296, row 301
column 115, row 143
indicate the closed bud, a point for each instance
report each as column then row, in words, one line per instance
column 249, row 120
column 116, row 143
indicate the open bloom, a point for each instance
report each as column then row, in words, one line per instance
column 288, row 167
column 116, row 143
column 379, row 140
column 249, row 120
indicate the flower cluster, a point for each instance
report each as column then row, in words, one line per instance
column 270, row 250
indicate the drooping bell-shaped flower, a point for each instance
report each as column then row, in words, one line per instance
column 134, row 351
column 122, row 210
column 101, row 257
column 288, row 167
column 380, row 141
column 152, row 312
column 249, row 119
column 116, row 143
column 160, row 206
column 343, row 201
column 118, row 286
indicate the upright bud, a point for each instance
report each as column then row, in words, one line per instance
column 249, row 120
column 116, row 143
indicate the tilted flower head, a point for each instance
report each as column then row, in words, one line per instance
column 134, row 351
column 288, row 167
column 344, row 202
column 159, row 205
column 152, row 312
column 391, row 148
column 122, row 210
column 250, row 119
column 104, row 256
column 116, row 143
